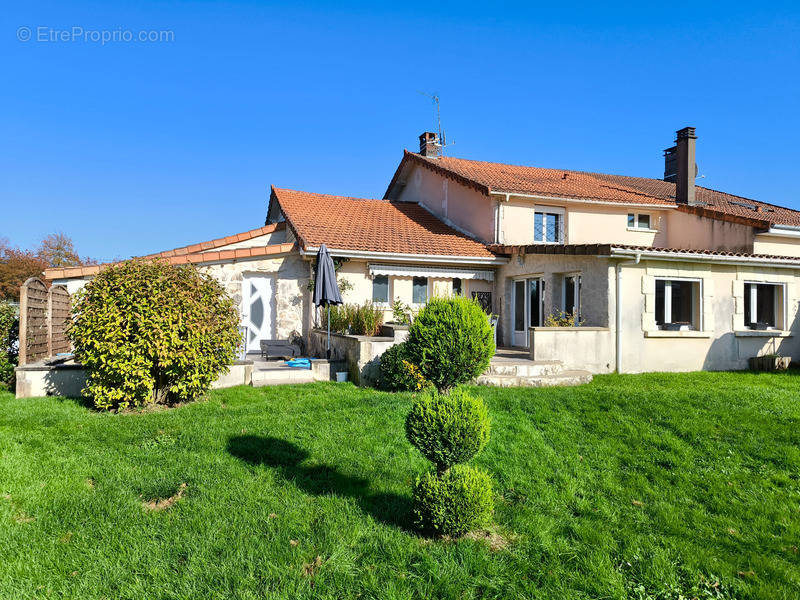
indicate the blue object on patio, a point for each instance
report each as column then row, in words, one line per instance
column 299, row 363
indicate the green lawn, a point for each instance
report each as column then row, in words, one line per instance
column 645, row 486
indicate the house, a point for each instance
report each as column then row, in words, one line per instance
column 657, row 274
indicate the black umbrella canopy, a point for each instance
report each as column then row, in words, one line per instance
column 326, row 290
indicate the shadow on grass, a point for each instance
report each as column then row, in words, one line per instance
column 391, row 509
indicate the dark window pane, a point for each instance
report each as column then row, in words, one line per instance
column 380, row 288
column 535, row 302
column 660, row 302
column 420, row 290
column 519, row 306
column 765, row 301
column 456, row 287
column 631, row 220
column 644, row 221
column 682, row 301
column 569, row 295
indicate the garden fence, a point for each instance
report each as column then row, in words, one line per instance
column 43, row 316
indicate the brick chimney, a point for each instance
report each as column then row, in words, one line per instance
column 680, row 167
column 429, row 144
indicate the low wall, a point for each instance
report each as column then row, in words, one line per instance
column 360, row 353
column 585, row 348
column 67, row 378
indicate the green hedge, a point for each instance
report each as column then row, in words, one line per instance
column 9, row 323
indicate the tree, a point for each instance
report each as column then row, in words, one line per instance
column 15, row 267
column 58, row 250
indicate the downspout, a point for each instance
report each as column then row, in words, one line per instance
column 618, row 303
column 498, row 220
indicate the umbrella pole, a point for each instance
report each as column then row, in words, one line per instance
column 329, row 332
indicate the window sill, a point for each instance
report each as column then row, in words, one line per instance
column 642, row 230
column 661, row 333
column 773, row 333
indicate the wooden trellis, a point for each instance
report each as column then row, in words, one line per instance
column 43, row 316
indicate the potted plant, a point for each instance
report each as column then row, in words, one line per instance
column 770, row 362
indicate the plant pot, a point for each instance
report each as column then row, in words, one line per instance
column 770, row 363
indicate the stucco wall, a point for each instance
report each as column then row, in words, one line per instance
column 584, row 223
column 578, row 348
column 700, row 233
column 551, row 268
column 461, row 206
column 780, row 246
column 290, row 275
column 723, row 343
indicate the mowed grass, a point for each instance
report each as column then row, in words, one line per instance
column 647, row 486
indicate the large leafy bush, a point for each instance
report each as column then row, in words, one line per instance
column 451, row 341
column 454, row 502
column 8, row 342
column 148, row 331
column 448, row 429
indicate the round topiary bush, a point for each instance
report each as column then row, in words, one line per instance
column 448, row 429
column 451, row 341
column 453, row 503
column 151, row 332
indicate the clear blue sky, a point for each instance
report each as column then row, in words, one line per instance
column 136, row 147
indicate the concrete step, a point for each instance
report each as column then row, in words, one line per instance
column 281, row 376
column 564, row 378
column 525, row 368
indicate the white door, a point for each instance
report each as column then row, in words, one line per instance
column 257, row 309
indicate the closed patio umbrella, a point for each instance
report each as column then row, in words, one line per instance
column 326, row 290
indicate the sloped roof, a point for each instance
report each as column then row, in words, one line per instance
column 564, row 183
column 346, row 223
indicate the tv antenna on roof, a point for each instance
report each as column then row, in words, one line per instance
column 435, row 98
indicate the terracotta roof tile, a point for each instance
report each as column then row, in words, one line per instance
column 345, row 223
column 565, row 183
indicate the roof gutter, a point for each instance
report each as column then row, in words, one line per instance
column 417, row 258
column 789, row 231
column 506, row 195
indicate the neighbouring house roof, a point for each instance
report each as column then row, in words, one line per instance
column 203, row 252
column 376, row 226
column 628, row 250
column 488, row 177
column 216, row 243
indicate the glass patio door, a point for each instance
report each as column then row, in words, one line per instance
column 527, row 310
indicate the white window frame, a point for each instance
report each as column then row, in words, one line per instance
column 550, row 210
column 636, row 227
column 576, row 295
column 668, row 300
column 389, row 289
column 779, row 310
